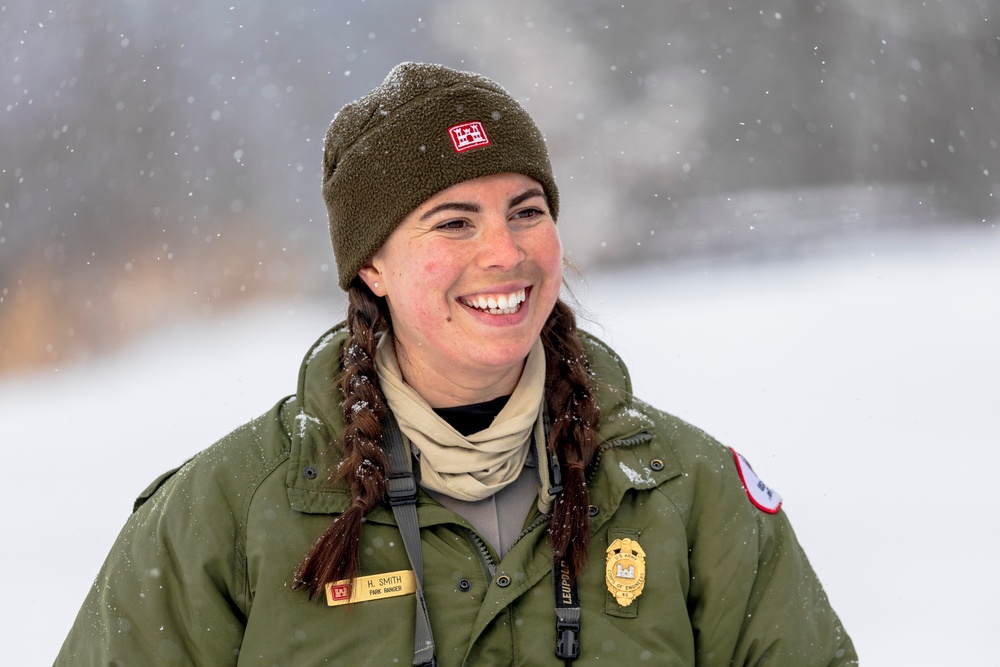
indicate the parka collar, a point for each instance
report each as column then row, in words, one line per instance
column 632, row 455
column 628, row 457
column 317, row 419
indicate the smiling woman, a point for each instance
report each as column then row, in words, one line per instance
column 463, row 477
column 470, row 277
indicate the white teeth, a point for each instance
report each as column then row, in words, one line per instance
column 502, row 304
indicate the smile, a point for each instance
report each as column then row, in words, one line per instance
column 499, row 304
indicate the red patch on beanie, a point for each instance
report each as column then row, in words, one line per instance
column 468, row 135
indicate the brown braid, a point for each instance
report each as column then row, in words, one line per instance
column 575, row 415
column 335, row 555
column 573, row 438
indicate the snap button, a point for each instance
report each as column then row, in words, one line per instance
column 503, row 581
column 656, row 464
column 594, row 510
column 309, row 472
column 464, row 585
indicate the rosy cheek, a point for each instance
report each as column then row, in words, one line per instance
column 549, row 250
column 435, row 278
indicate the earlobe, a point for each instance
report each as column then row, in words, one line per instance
column 373, row 278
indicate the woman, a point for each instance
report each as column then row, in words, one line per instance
column 462, row 477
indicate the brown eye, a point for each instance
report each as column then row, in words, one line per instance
column 528, row 214
column 453, row 224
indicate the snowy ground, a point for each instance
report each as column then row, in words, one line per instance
column 863, row 385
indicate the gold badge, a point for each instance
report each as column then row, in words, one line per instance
column 625, row 573
column 374, row 587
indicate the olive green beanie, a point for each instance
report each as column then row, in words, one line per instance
column 426, row 128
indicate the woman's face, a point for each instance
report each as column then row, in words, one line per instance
column 470, row 278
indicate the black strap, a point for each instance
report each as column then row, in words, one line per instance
column 567, row 613
column 402, row 491
column 567, row 599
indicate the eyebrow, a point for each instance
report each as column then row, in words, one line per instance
column 525, row 196
column 451, row 206
column 468, row 207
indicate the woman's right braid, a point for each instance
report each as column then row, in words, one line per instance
column 334, row 556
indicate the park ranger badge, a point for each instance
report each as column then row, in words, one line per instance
column 625, row 573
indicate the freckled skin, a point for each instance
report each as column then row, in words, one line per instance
column 487, row 236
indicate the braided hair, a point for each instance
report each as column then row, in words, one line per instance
column 570, row 403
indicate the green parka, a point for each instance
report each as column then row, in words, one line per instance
column 201, row 573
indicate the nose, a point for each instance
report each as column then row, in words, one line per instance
column 501, row 249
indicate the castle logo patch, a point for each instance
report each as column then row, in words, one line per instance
column 761, row 495
column 468, row 135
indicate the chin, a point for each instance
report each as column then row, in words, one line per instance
column 505, row 356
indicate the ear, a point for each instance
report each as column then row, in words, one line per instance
column 373, row 278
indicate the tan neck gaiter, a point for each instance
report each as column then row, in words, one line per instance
column 470, row 467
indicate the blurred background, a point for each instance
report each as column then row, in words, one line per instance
column 797, row 202
column 161, row 160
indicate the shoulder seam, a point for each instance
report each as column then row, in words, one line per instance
column 268, row 469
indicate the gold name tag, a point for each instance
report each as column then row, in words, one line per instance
column 374, row 587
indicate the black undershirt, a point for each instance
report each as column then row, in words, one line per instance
column 469, row 419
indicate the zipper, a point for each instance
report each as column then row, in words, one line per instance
column 630, row 441
column 483, row 551
column 489, row 566
column 535, row 523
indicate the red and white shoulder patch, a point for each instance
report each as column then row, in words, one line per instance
column 468, row 135
column 761, row 495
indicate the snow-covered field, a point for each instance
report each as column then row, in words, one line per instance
column 864, row 385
